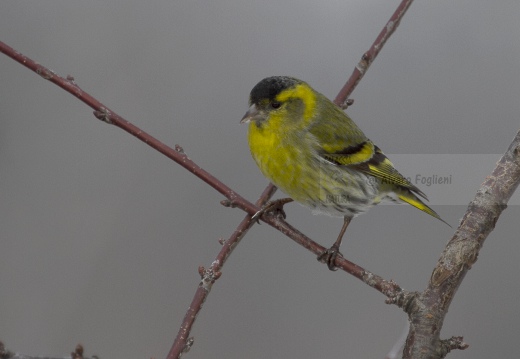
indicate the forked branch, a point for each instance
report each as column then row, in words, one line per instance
column 427, row 309
column 178, row 155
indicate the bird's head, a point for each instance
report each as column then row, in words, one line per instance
column 281, row 101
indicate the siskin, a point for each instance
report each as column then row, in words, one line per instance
column 310, row 149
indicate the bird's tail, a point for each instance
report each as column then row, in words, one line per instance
column 409, row 197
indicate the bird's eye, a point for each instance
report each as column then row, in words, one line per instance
column 276, row 105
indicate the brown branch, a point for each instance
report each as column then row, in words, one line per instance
column 428, row 309
column 389, row 288
column 4, row 353
column 182, row 342
column 369, row 56
column 103, row 113
column 76, row 354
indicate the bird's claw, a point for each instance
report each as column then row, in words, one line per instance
column 257, row 215
column 329, row 256
column 272, row 206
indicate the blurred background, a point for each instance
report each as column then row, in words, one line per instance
column 101, row 236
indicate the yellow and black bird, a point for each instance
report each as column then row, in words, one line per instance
column 310, row 149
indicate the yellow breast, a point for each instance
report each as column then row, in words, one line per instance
column 278, row 157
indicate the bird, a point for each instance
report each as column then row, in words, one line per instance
column 309, row 148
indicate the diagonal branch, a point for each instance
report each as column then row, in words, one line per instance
column 369, row 56
column 182, row 343
column 428, row 309
column 389, row 288
column 105, row 114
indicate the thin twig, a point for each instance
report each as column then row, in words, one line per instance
column 105, row 114
column 182, row 342
column 369, row 56
column 102, row 112
column 390, row 289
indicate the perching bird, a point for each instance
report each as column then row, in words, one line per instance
column 310, row 149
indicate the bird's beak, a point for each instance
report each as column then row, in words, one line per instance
column 251, row 115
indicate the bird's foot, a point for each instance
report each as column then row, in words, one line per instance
column 275, row 206
column 329, row 256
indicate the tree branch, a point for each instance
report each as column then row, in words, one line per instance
column 369, row 56
column 183, row 342
column 389, row 288
column 428, row 309
column 102, row 112
column 76, row 354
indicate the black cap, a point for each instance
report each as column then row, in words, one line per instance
column 270, row 87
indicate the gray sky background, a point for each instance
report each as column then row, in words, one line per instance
column 101, row 236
